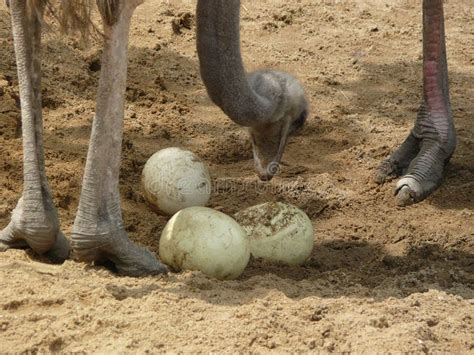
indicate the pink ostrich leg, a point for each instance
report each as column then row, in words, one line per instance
column 423, row 156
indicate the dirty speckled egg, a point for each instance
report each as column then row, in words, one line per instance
column 200, row 238
column 173, row 179
column 278, row 232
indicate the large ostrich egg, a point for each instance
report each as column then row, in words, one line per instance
column 200, row 238
column 278, row 232
column 173, row 179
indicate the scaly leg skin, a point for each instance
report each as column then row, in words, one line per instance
column 34, row 221
column 424, row 154
column 98, row 232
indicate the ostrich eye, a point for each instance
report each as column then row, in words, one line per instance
column 297, row 124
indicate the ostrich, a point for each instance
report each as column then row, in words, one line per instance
column 271, row 104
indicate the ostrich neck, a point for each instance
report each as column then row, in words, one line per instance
column 222, row 70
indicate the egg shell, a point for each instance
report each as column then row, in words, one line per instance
column 278, row 232
column 200, row 238
column 173, row 179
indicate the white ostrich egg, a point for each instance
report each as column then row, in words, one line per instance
column 200, row 238
column 173, row 179
column 278, row 232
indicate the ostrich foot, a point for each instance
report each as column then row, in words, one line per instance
column 128, row 258
column 421, row 162
column 37, row 230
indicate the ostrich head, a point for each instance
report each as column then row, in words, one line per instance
column 271, row 103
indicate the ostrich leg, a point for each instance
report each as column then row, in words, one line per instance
column 428, row 148
column 98, row 232
column 34, row 221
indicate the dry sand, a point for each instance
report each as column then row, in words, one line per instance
column 381, row 278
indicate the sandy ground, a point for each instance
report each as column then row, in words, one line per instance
column 381, row 278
